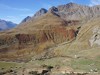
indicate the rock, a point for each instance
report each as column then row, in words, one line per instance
column 95, row 39
column 53, row 9
column 41, row 12
column 26, row 19
column 72, row 11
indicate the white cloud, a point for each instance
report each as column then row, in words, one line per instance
column 3, row 6
column 94, row 2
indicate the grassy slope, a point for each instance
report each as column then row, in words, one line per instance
column 9, row 65
column 33, row 27
column 89, row 58
column 82, row 40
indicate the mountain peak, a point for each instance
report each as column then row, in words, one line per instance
column 4, row 25
column 53, row 9
column 71, row 4
column 43, row 9
column 40, row 12
column 26, row 19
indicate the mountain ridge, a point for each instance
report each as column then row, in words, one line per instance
column 45, row 29
column 4, row 25
column 71, row 11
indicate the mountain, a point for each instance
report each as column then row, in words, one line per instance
column 26, row 19
column 38, row 34
column 72, row 11
column 41, row 12
column 6, row 25
column 49, row 29
column 66, row 37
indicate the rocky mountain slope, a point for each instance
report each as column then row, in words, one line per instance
column 38, row 34
column 72, row 11
column 49, row 31
column 78, row 12
column 88, row 36
column 41, row 12
column 26, row 19
column 6, row 25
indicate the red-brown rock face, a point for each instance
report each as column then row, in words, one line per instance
column 35, row 37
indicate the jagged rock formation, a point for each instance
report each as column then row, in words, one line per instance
column 95, row 39
column 72, row 11
column 40, row 13
column 26, row 19
column 53, row 9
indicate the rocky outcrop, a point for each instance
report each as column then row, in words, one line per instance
column 26, row 19
column 95, row 39
column 53, row 9
column 41, row 12
column 24, row 38
column 88, row 36
column 59, row 34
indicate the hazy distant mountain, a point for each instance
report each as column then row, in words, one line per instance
column 6, row 25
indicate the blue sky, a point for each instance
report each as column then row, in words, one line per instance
column 16, row 10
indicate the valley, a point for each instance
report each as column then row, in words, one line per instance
column 64, row 40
